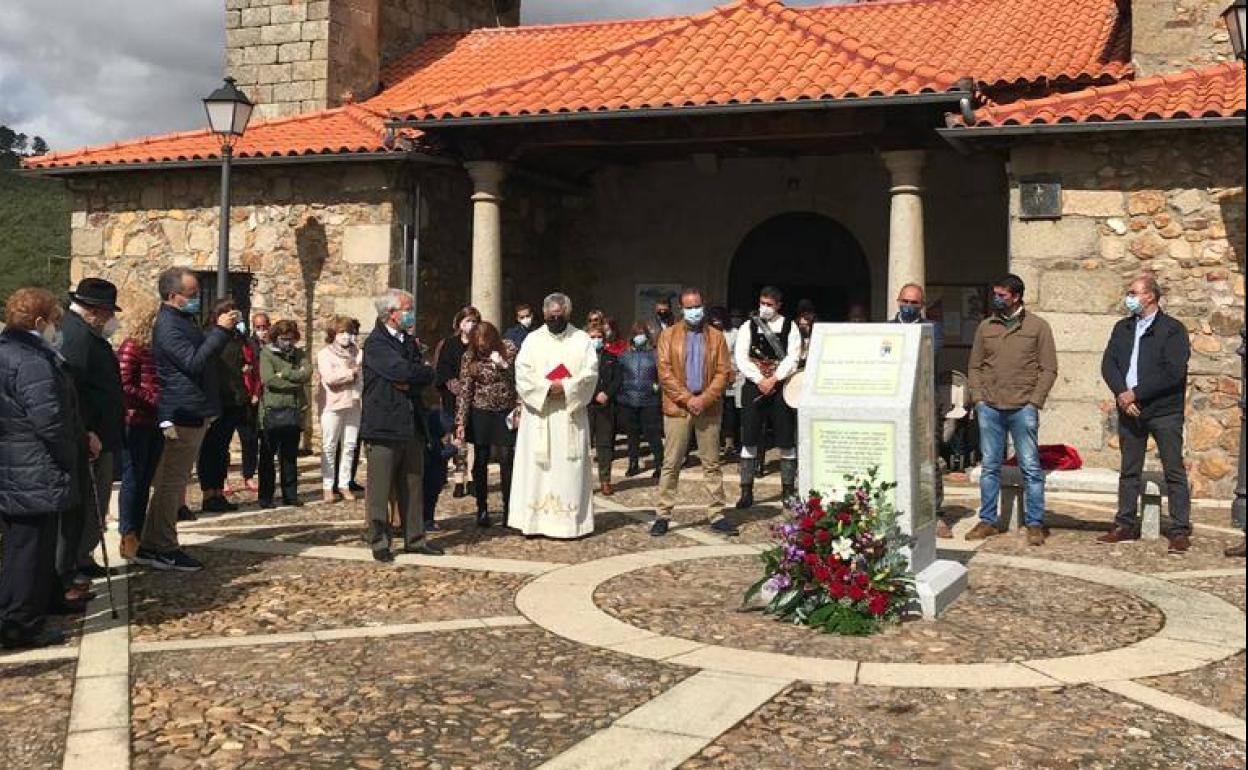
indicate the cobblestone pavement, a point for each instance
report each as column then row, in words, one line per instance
column 470, row 699
column 242, row 593
column 814, row 726
column 1006, row 615
column 356, row 670
column 34, row 713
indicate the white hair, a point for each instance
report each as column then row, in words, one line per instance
column 390, row 301
column 557, row 300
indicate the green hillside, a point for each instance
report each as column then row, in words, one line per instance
column 34, row 233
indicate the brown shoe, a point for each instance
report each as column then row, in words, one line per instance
column 982, row 531
column 129, row 546
column 943, row 530
column 79, row 593
column 606, row 490
column 1035, row 536
column 1179, row 544
column 1118, row 534
column 1236, row 551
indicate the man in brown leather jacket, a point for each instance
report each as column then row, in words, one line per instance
column 694, row 371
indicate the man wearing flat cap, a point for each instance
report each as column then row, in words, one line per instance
column 97, row 379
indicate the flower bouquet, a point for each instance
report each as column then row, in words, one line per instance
column 837, row 565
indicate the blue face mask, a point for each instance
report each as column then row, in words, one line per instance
column 407, row 320
column 694, row 315
column 1134, row 306
column 640, row 340
column 598, row 343
column 192, row 306
column 909, row 313
column 999, row 303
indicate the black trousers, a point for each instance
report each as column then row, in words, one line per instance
column 249, row 438
column 602, row 431
column 481, row 454
column 639, row 422
column 281, row 444
column 214, row 453
column 757, row 413
column 397, row 467
column 1167, row 431
column 27, row 572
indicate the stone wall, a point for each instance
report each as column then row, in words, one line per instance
column 1134, row 202
column 1170, row 35
column 295, row 56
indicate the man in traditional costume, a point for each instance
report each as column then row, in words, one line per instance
column 556, row 372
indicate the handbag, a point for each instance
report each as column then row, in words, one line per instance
column 282, row 417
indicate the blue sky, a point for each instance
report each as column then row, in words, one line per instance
column 92, row 71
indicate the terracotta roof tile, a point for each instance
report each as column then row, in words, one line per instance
column 348, row 129
column 1211, row 92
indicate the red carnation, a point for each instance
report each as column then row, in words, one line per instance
column 822, row 574
column 806, row 523
column 857, row 593
column 837, row 589
column 806, row 540
column 823, row 536
column 844, row 517
column 862, row 580
column 811, row 559
column 878, row 605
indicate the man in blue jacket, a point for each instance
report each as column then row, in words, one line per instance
column 393, row 424
column 186, row 362
column 1145, row 365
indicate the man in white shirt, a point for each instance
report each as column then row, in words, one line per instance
column 766, row 352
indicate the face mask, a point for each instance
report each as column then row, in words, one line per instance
column 466, row 327
column 343, row 340
column 192, row 306
column 1134, row 306
column 909, row 313
column 526, row 323
column 285, row 345
column 241, row 328
column 557, row 325
column 263, row 334
column 1000, row 303
column 640, row 340
column 694, row 315
column 407, row 319
column 598, row 343
column 766, row 313
column 52, row 335
column 110, row 328
column 666, row 315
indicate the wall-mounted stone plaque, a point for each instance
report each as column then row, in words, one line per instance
column 870, row 402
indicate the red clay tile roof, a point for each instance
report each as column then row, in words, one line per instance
column 1212, row 92
column 350, row 129
column 748, row 51
column 752, row 51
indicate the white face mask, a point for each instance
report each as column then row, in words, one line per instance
column 52, row 335
column 343, row 340
column 110, row 328
column 466, row 327
column 527, row 322
column 766, row 313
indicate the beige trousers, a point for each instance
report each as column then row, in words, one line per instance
column 160, row 529
column 676, row 434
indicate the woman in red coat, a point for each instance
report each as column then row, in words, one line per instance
column 143, row 440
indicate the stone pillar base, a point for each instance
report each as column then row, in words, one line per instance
column 938, row 586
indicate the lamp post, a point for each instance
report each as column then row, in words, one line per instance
column 1236, row 19
column 228, row 110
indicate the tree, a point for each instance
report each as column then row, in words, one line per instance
column 38, row 147
column 34, row 221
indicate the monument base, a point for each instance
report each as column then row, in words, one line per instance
column 938, row 586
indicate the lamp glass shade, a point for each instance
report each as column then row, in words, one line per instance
column 229, row 110
column 1236, row 23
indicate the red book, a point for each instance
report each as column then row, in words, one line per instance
column 560, row 372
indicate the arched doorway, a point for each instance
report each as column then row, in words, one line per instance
column 808, row 256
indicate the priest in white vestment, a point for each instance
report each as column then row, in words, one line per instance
column 556, row 373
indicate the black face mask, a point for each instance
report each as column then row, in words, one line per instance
column 666, row 315
column 556, row 325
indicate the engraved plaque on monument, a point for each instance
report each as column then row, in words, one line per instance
column 868, row 401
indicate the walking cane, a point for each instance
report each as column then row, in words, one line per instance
column 99, row 516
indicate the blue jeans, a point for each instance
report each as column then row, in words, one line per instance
column 1022, row 425
column 139, row 459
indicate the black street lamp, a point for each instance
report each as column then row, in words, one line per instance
column 1236, row 20
column 228, row 110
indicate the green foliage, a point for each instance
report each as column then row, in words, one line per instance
column 34, row 233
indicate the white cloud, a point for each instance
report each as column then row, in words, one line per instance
column 91, row 71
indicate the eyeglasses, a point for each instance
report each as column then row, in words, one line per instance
column 909, row 303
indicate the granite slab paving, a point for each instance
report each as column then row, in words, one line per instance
column 1006, row 615
column 1231, row 589
column 1070, row 544
column 489, row 699
column 246, row 593
column 811, row 727
column 34, row 713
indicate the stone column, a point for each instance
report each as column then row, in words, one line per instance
column 487, row 242
column 906, row 262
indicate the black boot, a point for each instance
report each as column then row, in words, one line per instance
column 458, row 491
column 483, row 518
column 658, row 465
column 746, row 467
column 634, row 468
column 788, row 482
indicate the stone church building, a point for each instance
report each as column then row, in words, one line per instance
column 836, row 151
